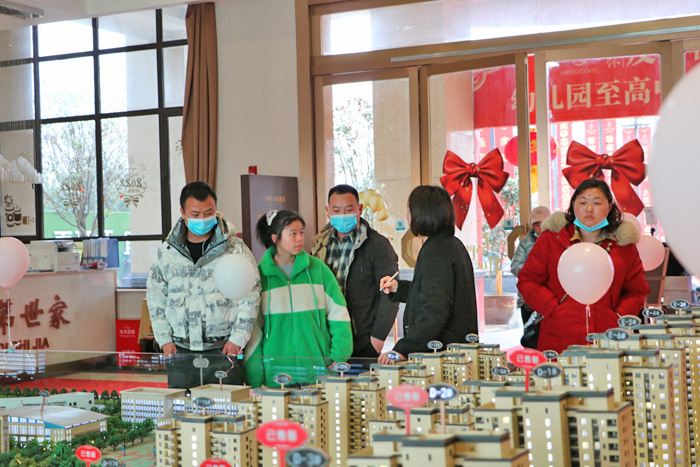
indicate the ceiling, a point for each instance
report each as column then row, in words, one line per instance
column 62, row 10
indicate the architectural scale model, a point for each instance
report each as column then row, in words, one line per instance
column 139, row 404
column 615, row 403
column 47, row 424
column 24, row 363
column 81, row 400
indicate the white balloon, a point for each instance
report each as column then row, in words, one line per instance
column 629, row 217
column 651, row 252
column 586, row 272
column 14, row 261
column 674, row 165
column 234, row 276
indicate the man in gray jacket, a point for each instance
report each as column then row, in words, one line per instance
column 537, row 215
column 359, row 256
column 188, row 313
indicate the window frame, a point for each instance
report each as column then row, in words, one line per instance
column 667, row 37
column 161, row 111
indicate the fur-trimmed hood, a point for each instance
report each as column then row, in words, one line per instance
column 626, row 233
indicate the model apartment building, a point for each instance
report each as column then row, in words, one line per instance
column 615, row 403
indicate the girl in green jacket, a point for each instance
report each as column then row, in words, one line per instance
column 304, row 325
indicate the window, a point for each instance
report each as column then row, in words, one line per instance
column 414, row 23
column 95, row 105
column 414, row 92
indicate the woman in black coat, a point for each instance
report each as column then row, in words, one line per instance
column 441, row 299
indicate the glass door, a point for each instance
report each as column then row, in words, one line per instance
column 367, row 135
column 472, row 114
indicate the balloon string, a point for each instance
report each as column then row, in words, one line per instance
column 10, row 346
column 588, row 314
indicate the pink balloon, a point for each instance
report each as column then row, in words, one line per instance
column 585, row 271
column 629, row 217
column 14, row 261
column 651, row 252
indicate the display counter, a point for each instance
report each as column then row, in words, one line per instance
column 67, row 311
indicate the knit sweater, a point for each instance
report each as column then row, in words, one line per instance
column 303, row 324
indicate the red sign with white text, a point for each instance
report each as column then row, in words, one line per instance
column 578, row 90
column 87, row 453
column 691, row 59
column 215, row 463
column 128, row 335
column 407, row 396
column 281, row 434
column 605, row 88
column 527, row 359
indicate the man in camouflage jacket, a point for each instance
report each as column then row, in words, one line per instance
column 188, row 313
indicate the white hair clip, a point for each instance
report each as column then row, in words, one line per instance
column 270, row 216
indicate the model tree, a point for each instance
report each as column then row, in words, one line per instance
column 144, row 428
column 63, row 456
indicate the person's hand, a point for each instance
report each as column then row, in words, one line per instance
column 169, row 349
column 231, row 349
column 384, row 360
column 377, row 344
column 387, row 284
column 330, row 367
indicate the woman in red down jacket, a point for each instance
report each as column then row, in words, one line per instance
column 592, row 217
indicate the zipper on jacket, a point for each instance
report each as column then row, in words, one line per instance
column 294, row 334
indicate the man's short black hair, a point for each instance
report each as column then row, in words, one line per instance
column 197, row 190
column 432, row 211
column 343, row 190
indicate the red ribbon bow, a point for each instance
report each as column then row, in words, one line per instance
column 491, row 179
column 626, row 167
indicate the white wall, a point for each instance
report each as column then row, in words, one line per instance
column 258, row 123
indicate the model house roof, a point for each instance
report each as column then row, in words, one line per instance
column 57, row 417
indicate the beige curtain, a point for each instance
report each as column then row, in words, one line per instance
column 200, row 114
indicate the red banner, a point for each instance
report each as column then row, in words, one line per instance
column 578, row 90
column 609, row 135
column 494, row 89
column 691, row 59
column 628, row 134
column 592, row 137
column 644, row 137
column 605, row 88
column 501, row 136
column 564, row 138
column 483, row 138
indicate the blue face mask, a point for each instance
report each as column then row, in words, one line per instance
column 604, row 223
column 201, row 226
column 344, row 223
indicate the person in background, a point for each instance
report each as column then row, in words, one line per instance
column 359, row 256
column 304, row 326
column 188, row 313
column 441, row 299
column 537, row 215
column 592, row 217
